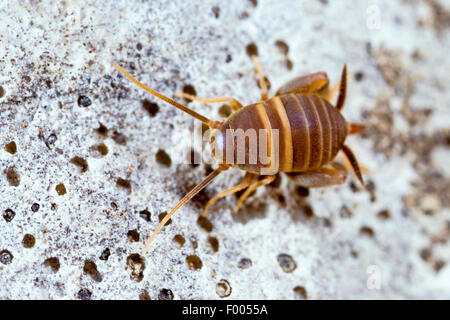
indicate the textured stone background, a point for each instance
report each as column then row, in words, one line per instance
column 339, row 238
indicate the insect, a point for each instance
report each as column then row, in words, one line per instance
column 309, row 134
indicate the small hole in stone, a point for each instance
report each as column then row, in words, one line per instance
column 359, row 76
column 50, row 141
column 205, row 224
column 425, row 254
column 302, row 191
column 223, row 288
column 165, row 294
column 194, row 262
column 28, row 241
column 370, row 187
column 2, row 92
column 163, row 158
column 137, row 266
column 308, row 211
column 214, row 243
column 289, row 64
column 61, row 189
column 52, row 263
column 225, row 111
column 282, row 46
column 103, row 149
column 189, row 89
column 286, row 262
column 145, row 214
column 84, row 294
column 252, row 49
column 384, row 214
column 144, row 295
column 80, row 162
column 6, row 257
column 229, row 58
column 216, row 11
column 438, row 265
column 367, row 231
column 84, row 101
column 35, row 207
column 138, row 46
column 245, row 263
column 105, row 254
column 13, row 177
column 300, row 291
column 102, row 130
column 9, row 215
column 123, row 183
column 345, row 212
column 90, row 268
column 11, row 147
column 194, row 244
column 151, row 107
column 133, row 235
column 179, row 239
column 254, row 2
column 161, row 216
column 119, row 138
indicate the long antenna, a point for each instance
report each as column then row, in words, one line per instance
column 166, row 99
column 185, row 199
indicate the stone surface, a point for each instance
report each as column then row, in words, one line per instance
column 75, row 121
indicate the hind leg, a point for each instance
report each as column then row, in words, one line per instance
column 251, row 188
column 321, row 177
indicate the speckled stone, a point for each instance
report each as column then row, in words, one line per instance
column 76, row 121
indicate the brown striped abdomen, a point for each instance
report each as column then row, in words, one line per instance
column 310, row 133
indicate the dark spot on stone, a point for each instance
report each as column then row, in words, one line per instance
column 163, row 158
column 53, row 263
column 179, row 239
column 144, row 295
column 308, row 211
column 165, row 294
column 123, row 183
column 103, row 149
column 119, row 138
column 2, row 92
column 214, row 243
column 137, row 266
column 438, row 265
column 282, row 46
column 13, row 177
column 133, row 235
column 229, row 58
column 370, row 187
column 205, row 224
column 151, row 107
column 90, row 268
column 286, row 262
column 252, row 49
column 425, row 254
column 194, row 262
column 28, row 241
column 61, row 189
column 145, row 214
column 6, row 257
column 53, row 206
column 223, row 288
column 245, row 263
column 254, row 2
column 80, row 162
column 289, row 64
column 194, row 244
column 384, row 214
column 114, row 205
column 189, row 89
column 301, row 292
column 359, row 76
column 366, row 231
column 302, row 191
column 84, row 101
column 11, row 147
column 105, row 254
column 84, row 294
column 225, row 111
column 9, row 215
column 161, row 216
column 102, row 130
column 35, row 207
column 345, row 212
column 216, row 11
column 138, row 46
